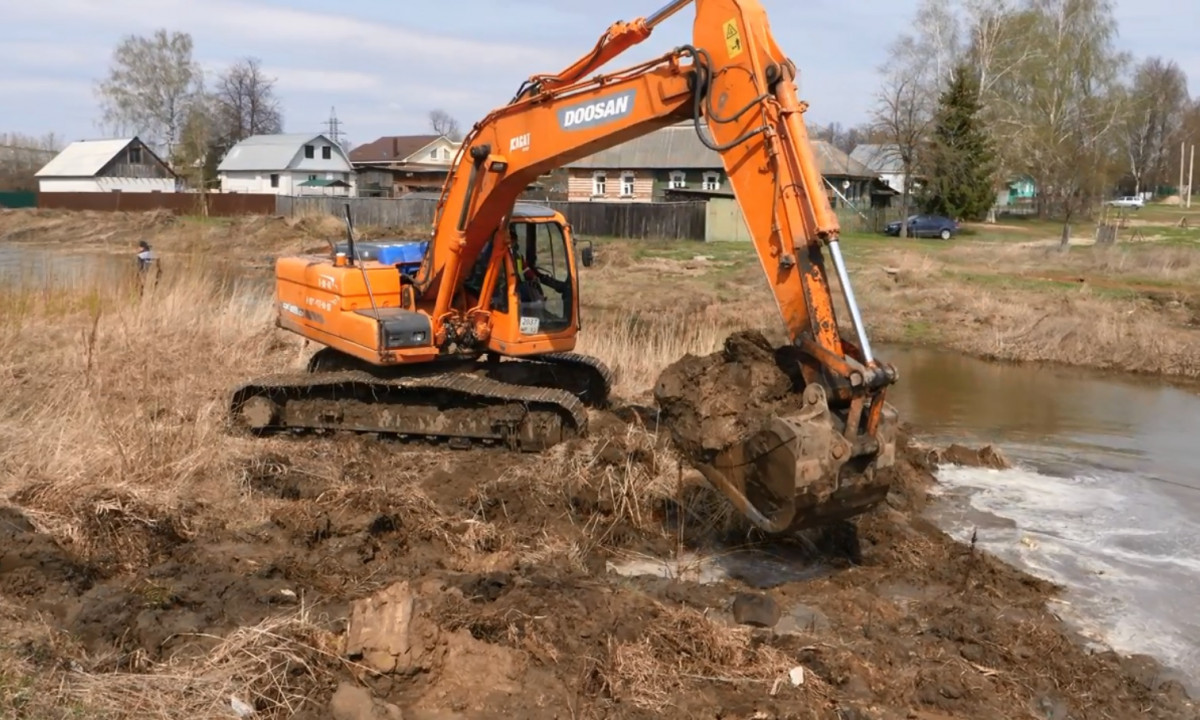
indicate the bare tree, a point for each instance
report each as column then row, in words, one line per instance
column 150, row 87
column 245, row 102
column 998, row 48
column 843, row 138
column 902, row 119
column 1154, row 113
column 938, row 39
column 21, row 156
column 442, row 123
column 196, row 155
column 1067, row 103
column 917, row 67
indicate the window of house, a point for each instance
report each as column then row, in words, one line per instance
column 678, row 180
column 274, row 180
column 712, row 181
column 627, row 184
column 598, row 183
column 308, row 152
column 433, row 154
column 135, row 155
column 312, row 177
column 326, row 152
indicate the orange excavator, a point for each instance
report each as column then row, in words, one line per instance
column 468, row 337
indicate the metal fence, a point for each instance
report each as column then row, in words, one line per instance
column 18, row 199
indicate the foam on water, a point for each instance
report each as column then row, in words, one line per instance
column 1129, row 557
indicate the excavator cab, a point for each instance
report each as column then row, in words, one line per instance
column 535, row 293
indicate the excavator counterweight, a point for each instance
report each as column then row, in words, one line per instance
column 469, row 336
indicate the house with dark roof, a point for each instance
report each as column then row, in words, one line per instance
column 673, row 162
column 397, row 164
column 287, row 164
column 111, row 165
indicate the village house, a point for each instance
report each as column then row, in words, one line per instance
column 287, row 164
column 112, row 165
column 673, row 162
column 885, row 160
column 394, row 165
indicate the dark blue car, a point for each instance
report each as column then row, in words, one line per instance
column 925, row 226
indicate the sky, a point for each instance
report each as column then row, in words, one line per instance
column 384, row 64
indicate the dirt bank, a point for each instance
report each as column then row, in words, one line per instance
column 368, row 579
column 256, row 238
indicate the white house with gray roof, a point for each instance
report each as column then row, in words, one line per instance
column 287, row 164
column 885, row 160
column 109, row 165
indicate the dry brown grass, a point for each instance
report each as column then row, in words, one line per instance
column 685, row 646
column 277, row 667
column 113, row 404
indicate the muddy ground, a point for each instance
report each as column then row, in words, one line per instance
column 496, row 578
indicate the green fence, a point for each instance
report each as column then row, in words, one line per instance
column 18, row 199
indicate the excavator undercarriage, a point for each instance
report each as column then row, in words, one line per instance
column 520, row 404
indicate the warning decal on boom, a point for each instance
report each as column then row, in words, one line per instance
column 733, row 39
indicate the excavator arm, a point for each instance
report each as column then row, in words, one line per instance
column 738, row 88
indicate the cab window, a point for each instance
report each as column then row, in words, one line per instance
column 543, row 277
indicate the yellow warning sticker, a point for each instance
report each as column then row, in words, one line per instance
column 733, row 39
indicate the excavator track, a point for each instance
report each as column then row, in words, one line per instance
column 583, row 375
column 456, row 407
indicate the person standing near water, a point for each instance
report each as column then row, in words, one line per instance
column 145, row 258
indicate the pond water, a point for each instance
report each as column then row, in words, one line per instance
column 1104, row 497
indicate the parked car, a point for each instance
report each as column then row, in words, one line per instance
column 1129, row 201
column 928, row 226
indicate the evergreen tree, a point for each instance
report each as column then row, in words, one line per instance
column 960, row 161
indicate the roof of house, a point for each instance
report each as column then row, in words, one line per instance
column 86, row 158
column 268, row 152
column 391, row 148
column 880, row 158
column 677, row 147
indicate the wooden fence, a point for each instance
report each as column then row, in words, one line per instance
column 626, row 220
column 683, row 220
column 366, row 211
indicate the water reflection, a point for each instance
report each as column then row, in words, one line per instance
column 1053, row 416
column 41, row 267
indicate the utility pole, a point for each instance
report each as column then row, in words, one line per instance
column 1191, row 167
column 1182, row 146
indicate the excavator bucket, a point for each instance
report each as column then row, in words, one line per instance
column 780, row 454
column 800, row 472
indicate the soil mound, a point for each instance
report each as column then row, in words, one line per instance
column 712, row 402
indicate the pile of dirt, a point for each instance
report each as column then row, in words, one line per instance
column 711, row 402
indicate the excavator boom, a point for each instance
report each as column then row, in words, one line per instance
column 414, row 333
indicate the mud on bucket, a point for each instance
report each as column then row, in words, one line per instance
column 795, row 472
